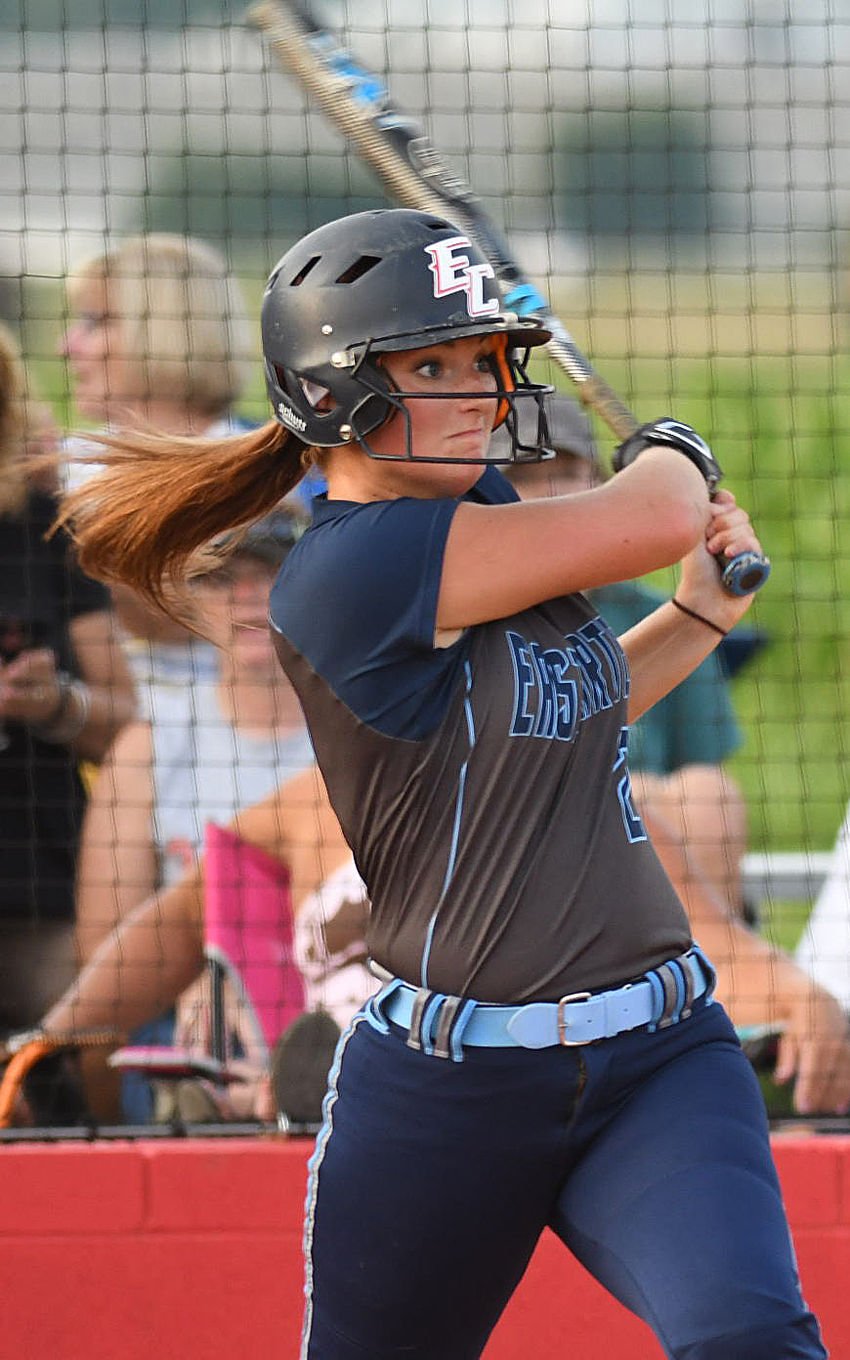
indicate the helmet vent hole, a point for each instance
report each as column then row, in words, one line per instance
column 360, row 267
column 304, row 271
column 318, row 396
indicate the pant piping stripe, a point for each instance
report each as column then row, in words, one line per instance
column 313, row 1167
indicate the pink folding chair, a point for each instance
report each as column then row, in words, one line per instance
column 248, row 945
column 249, row 940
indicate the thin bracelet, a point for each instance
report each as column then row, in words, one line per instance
column 68, row 725
column 692, row 614
column 63, row 683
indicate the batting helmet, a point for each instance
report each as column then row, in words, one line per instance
column 375, row 282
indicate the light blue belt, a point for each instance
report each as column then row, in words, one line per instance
column 441, row 1024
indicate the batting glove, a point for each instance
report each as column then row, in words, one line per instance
column 678, row 436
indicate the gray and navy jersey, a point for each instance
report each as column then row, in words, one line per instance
column 483, row 786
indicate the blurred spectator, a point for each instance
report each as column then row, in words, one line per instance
column 824, row 949
column 158, row 339
column 163, row 939
column 696, row 816
column 677, row 749
column 213, row 747
column 767, row 994
column 156, row 951
column 41, row 442
column 65, row 691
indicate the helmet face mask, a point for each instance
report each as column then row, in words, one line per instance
column 383, row 282
column 373, row 377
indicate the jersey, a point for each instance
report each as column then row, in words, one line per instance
column 482, row 786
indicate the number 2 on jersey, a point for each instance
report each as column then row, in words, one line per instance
column 631, row 818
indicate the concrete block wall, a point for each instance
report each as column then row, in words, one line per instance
column 123, row 1251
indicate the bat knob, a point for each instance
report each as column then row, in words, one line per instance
column 746, row 573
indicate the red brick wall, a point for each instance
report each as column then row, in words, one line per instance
column 130, row 1251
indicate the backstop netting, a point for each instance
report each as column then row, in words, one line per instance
column 676, row 178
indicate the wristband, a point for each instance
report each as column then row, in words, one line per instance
column 700, row 618
column 677, row 436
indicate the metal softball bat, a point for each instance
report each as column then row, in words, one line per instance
column 415, row 175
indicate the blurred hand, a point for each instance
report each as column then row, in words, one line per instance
column 814, row 1049
column 30, row 688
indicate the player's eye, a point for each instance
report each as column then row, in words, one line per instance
column 430, row 368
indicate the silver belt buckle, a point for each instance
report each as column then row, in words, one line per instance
column 562, row 1024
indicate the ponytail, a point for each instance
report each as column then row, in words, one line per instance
column 161, row 498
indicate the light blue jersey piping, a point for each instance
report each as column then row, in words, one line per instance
column 452, row 860
column 313, row 1166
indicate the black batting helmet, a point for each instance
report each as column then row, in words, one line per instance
column 374, row 282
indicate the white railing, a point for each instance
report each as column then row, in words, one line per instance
column 794, row 875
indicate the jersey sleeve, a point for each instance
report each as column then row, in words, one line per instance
column 376, row 569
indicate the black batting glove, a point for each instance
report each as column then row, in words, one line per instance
column 672, row 432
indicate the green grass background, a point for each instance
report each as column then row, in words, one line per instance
column 783, row 437
column 780, row 425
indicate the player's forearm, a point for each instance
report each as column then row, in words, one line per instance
column 502, row 559
column 141, row 967
column 757, row 983
column 662, row 650
column 106, row 713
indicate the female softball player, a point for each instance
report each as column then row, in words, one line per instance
column 545, row 1050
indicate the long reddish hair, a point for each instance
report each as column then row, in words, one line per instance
column 160, row 499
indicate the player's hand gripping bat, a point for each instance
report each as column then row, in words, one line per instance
column 414, row 174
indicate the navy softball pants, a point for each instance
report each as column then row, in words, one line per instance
column 647, row 1154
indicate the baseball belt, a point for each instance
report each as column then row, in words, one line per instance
column 441, row 1025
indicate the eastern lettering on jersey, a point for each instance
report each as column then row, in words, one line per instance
column 454, row 273
column 555, row 688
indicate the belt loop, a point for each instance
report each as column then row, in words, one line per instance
column 426, row 1024
column 456, row 1038
column 449, row 1009
column 708, row 972
column 658, row 1000
column 683, row 965
column 673, row 995
column 375, row 1004
column 420, row 1001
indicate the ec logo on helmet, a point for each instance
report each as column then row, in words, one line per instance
column 453, row 273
